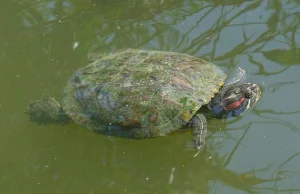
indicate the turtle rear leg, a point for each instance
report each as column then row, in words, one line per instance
column 47, row 111
column 199, row 124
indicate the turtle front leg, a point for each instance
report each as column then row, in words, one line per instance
column 199, row 125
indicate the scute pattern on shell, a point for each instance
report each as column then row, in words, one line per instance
column 138, row 93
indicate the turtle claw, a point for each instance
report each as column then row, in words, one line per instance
column 197, row 153
column 199, row 142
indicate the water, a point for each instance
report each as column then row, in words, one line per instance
column 43, row 42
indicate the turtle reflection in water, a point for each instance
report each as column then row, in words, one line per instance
column 142, row 94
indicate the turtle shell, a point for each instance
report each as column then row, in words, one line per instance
column 138, row 93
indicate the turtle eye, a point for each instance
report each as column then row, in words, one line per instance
column 237, row 90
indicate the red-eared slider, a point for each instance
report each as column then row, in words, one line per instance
column 142, row 94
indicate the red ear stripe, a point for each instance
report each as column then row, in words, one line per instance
column 235, row 104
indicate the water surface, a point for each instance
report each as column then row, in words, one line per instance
column 43, row 42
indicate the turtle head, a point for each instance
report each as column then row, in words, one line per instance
column 234, row 99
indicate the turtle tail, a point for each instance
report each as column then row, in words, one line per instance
column 47, row 111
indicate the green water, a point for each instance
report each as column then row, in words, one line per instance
column 42, row 42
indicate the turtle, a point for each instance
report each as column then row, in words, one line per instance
column 146, row 93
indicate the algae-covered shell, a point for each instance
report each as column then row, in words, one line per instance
column 139, row 93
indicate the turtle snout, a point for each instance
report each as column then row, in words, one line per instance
column 248, row 94
column 253, row 92
column 255, row 89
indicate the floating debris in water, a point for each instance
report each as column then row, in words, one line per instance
column 172, row 176
column 75, row 45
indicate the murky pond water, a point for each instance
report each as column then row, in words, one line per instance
column 44, row 41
